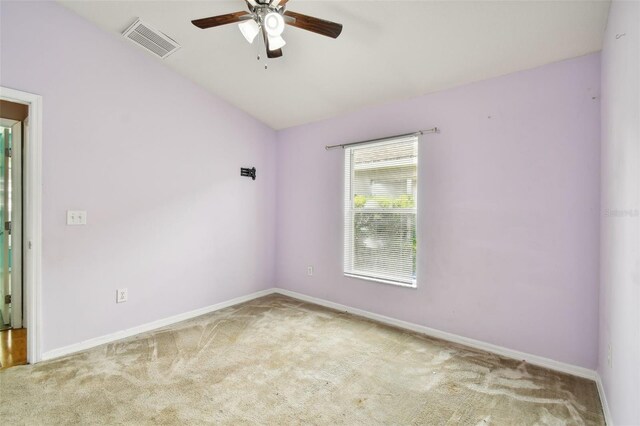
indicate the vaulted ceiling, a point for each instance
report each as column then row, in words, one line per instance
column 388, row 50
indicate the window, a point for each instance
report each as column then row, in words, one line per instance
column 380, row 211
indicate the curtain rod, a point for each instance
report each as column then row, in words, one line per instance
column 419, row 132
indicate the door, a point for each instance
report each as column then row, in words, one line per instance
column 10, row 225
column 5, row 286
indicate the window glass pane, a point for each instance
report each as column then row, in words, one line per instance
column 380, row 210
column 384, row 243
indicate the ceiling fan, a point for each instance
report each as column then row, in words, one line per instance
column 269, row 18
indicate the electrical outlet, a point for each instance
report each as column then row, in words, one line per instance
column 122, row 294
column 310, row 270
column 609, row 359
column 76, row 217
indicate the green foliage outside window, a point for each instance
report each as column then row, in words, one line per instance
column 404, row 201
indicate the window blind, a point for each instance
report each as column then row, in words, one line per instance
column 380, row 210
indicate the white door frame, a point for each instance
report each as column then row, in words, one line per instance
column 16, row 226
column 32, row 238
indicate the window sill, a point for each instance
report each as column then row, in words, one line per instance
column 382, row 281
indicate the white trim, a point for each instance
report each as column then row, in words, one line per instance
column 499, row 350
column 118, row 335
column 603, row 401
column 477, row 344
column 32, row 237
column 17, row 247
column 5, row 122
column 380, row 280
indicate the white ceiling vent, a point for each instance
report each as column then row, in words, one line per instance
column 150, row 39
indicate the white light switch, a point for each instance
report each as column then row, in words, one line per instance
column 76, row 217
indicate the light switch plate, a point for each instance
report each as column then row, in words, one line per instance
column 76, row 217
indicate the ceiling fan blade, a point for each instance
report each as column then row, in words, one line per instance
column 274, row 53
column 276, row 3
column 215, row 21
column 316, row 25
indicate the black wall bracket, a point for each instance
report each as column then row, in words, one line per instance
column 248, row 172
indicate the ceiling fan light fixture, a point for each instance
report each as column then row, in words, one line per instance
column 273, row 24
column 249, row 29
column 276, row 42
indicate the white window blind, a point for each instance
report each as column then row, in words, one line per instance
column 380, row 210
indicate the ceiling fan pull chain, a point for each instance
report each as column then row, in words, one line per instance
column 259, row 48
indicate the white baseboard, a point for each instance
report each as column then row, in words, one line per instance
column 118, row 335
column 603, row 401
column 477, row 344
column 509, row 353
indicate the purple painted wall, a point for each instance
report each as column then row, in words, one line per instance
column 155, row 160
column 620, row 225
column 508, row 206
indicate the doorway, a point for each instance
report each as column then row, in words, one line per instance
column 13, row 119
column 20, row 226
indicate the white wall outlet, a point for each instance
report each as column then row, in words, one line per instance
column 609, row 359
column 76, row 217
column 310, row 270
column 122, row 294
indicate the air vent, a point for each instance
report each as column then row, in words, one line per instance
column 150, row 39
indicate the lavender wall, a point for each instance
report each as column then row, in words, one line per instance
column 509, row 202
column 508, row 206
column 154, row 160
column 620, row 226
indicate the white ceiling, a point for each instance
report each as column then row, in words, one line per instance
column 388, row 50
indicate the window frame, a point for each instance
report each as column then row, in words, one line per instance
column 349, row 210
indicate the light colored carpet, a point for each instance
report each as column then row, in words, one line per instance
column 277, row 360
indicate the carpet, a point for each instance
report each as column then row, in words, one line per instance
column 277, row 360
